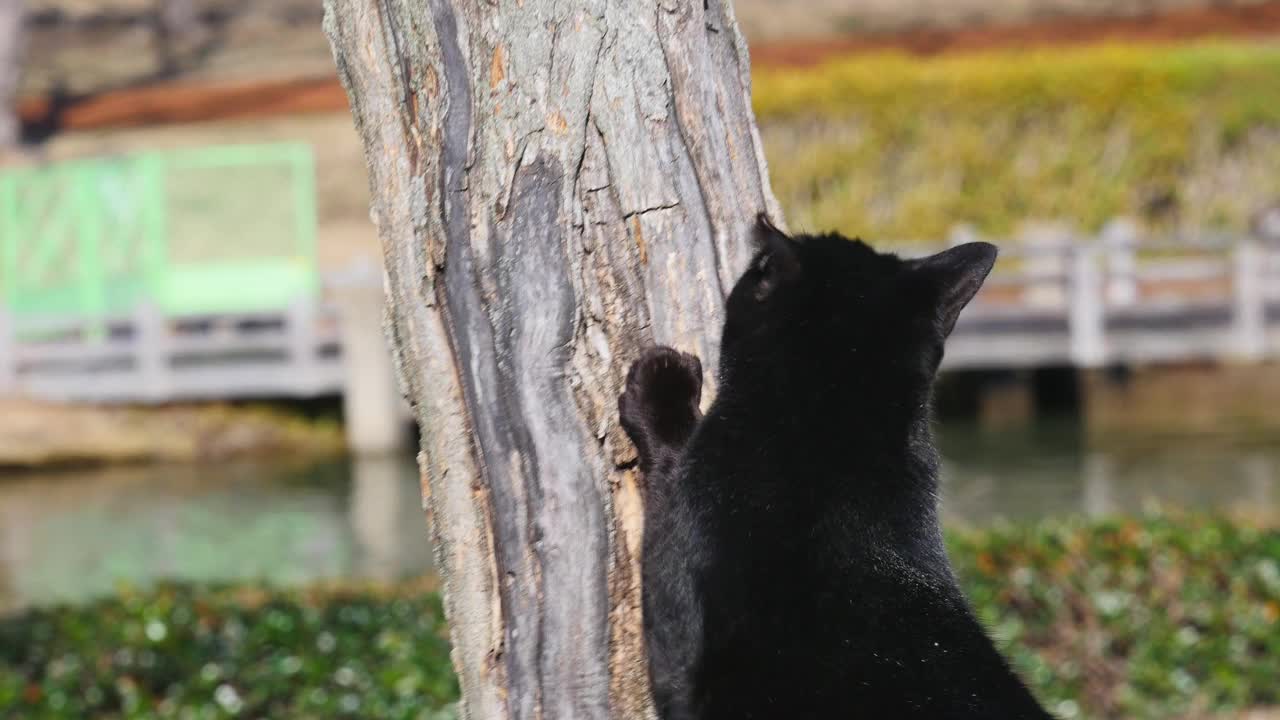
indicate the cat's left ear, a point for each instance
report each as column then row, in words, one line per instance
column 952, row 277
column 777, row 260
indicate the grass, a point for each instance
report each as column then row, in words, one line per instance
column 1124, row 618
column 897, row 147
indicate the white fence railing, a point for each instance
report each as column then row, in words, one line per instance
column 1113, row 299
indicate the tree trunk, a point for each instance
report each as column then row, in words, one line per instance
column 556, row 185
column 12, row 45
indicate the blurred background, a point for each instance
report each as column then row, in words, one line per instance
column 208, row 500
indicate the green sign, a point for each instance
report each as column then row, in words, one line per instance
column 192, row 232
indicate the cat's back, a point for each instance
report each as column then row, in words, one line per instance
column 816, row 607
column 884, row 648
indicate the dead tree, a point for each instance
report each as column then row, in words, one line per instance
column 556, row 185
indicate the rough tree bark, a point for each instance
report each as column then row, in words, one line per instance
column 556, row 185
column 12, row 16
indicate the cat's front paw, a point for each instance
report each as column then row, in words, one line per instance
column 659, row 407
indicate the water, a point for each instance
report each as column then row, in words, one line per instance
column 68, row 536
column 1047, row 470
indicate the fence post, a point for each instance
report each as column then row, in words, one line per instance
column 1047, row 246
column 301, row 328
column 1119, row 238
column 1087, row 309
column 372, row 406
column 151, row 351
column 1249, row 318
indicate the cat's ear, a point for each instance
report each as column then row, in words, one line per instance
column 777, row 258
column 952, row 277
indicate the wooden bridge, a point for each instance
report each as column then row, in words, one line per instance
column 1055, row 300
column 1065, row 302
column 146, row 356
column 326, row 345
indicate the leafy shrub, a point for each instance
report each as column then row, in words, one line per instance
column 1129, row 618
column 900, row 148
column 1132, row 618
column 183, row 651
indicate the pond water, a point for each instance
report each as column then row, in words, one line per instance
column 70, row 535
column 1050, row 469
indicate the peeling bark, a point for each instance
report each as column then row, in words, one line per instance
column 556, row 185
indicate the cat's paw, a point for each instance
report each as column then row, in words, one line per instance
column 659, row 407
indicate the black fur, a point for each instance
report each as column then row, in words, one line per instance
column 793, row 560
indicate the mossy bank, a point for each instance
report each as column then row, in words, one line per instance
column 42, row 435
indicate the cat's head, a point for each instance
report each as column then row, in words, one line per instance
column 834, row 307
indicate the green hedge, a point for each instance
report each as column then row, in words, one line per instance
column 1143, row 618
column 181, row 651
column 1128, row 618
column 899, row 148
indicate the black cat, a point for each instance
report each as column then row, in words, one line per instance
column 793, row 560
